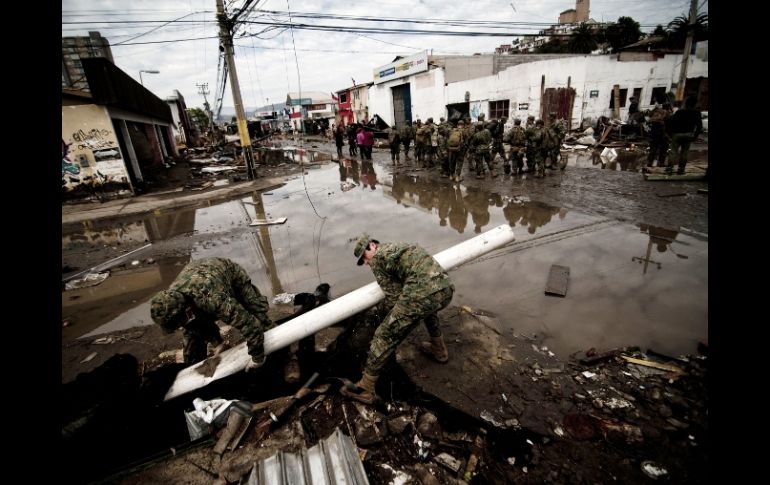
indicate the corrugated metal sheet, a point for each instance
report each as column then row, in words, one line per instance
column 333, row 461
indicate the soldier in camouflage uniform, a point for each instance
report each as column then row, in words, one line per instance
column 407, row 135
column 481, row 143
column 419, row 142
column 496, row 131
column 535, row 148
column 455, row 152
column 416, row 287
column 518, row 140
column 208, row 290
column 552, row 136
column 394, row 140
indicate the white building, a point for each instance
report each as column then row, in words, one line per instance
column 516, row 86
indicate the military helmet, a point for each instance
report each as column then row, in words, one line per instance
column 165, row 306
column 517, row 121
column 361, row 245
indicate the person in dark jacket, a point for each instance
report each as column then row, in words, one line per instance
column 683, row 128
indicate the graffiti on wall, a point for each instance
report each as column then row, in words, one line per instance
column 67, row 167
column 94, row 139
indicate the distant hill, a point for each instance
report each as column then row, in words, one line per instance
column 229, row 111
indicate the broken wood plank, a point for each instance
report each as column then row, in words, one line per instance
column 557, row 281
column 673, row 194
column 599, row 357
column 703, row 191
column 654, row 365
column 267, row 222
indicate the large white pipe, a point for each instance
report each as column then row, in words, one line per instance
column 235, row 359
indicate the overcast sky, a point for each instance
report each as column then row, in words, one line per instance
column 327, row 60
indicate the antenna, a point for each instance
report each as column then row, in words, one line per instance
column 513, row 7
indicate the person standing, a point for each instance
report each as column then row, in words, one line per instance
column 658, row 137
column 339, row 135
column 394, row 140
column 407, row 135
column 352, row 145
column 684, row 127
column 416, row 287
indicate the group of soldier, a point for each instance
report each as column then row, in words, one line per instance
column 448, row 145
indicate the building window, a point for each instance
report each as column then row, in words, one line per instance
column 638, row 95
column 498, row 109
column 343, row 97
column 623, row 94
column 658, row 95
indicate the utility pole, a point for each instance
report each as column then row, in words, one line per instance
column 203, row 88
column 226, row 38
column 686, row 53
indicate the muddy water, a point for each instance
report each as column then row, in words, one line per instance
column 629, row 284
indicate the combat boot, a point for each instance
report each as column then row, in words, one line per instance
column 364, row 389
column 436, row 349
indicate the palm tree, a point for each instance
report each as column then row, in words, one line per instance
column 680, row 27
column 582, row 40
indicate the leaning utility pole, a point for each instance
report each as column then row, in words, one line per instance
column 686, row 53
column 203, row 88
column 226, row 38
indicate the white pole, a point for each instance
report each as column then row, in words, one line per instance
column 235, row 359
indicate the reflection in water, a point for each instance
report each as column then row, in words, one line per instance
column 454, row 203
column 662, row 238
column 368, row 175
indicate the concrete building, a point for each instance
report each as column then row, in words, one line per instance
column 73, row 49
column 115, row 138
column 352, row 104
column 182, row 127
column 574, row 86
column 312, row 106
column 576, row 15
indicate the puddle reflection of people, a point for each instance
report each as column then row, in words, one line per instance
column 458, row 214
column 368, row 175
column 477, row 203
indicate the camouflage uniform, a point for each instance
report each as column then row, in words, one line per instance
column 480, row 142
column 419, row 142
column 416, row 287
column 552, row 136
column 394, row 140
column 518, row 140
column 407, row 134
column 496, row 131
column 534, row 135
column 454, row 161
column 466, row 149
column 215, row 289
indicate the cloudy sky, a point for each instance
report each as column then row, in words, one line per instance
column 179, row 37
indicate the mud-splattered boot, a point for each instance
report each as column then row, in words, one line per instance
column 436, row 349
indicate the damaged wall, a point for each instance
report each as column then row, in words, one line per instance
column 427, row 96
column 591, row 76
column 90, row 151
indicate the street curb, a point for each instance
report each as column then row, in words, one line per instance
column 72, row 214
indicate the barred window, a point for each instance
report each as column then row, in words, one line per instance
column 498, row 109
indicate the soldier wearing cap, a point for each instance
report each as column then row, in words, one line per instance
column 211, row 289
column 416, row 287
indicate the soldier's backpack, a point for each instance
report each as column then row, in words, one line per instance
column 455, row 138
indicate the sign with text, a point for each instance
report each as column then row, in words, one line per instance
column 524, row 106
column 301, row 101
column 594, row 93
column 402, row 68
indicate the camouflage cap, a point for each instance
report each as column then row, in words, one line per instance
column 361, row 245
column 164, row 308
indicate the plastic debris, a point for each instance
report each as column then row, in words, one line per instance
column 653, row 470
column 90, row 279
column 487, row 416
column 588, row 374
column 512, row 460
column 283, row 299
column 88, row 358
column 207, row 417
column 104, row 340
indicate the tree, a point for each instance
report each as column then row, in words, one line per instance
column 199, row 117
column 659, row 30
column 622, row 33
column 582, row 40
column 680, row 27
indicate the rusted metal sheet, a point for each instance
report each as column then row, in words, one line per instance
column 557, row 281
column 559, row 101
column 332, row 461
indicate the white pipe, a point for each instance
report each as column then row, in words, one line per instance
column 235, row 359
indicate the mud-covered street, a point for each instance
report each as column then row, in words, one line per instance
column 515, row 404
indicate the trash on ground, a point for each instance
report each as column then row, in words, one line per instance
column 267, row 222
column 90, row 279
column 206, row 417
column 448, row 461
column 283, row 299
column 653, row 470
column 558, row 279
column 88, row 358
column 653, row 364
